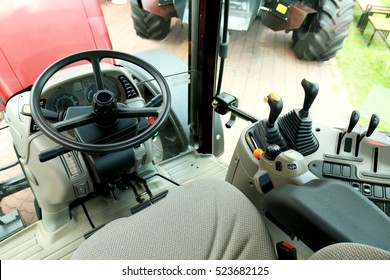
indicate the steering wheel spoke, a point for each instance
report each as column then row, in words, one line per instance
column 95, row 61
column 75, row 122
column 138, row 112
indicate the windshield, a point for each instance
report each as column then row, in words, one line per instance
column 351, row 74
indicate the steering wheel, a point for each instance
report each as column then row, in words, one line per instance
column 104, row 105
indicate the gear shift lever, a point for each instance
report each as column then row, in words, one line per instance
column 296, row 126
column 311, row 91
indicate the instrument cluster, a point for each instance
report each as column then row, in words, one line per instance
column 80, row 90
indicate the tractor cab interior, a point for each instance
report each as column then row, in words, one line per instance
column 122, row 154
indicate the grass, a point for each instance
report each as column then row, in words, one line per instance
column 363, row 68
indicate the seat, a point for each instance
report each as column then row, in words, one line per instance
column 203, row 219
column 350, row 251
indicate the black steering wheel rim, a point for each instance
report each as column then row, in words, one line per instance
column 95, row 57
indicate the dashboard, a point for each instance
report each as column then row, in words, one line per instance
column 66, row 90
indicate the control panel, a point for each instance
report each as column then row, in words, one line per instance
column 378, row 192
column 293, row 149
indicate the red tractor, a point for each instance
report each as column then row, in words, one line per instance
column 32, row 45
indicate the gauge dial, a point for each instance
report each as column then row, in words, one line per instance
column 63, row 102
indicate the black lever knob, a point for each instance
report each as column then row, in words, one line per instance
column 374, row 122
column 276, row 106
column 355, row 116
column 311, row 91
column 272, row 151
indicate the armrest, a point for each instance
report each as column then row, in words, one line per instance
column 324, row 212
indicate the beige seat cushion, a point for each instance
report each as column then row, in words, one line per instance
column 203, row 219
column 350, row 251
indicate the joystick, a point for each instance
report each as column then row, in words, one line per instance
column 276, row 106
column 374, row 122
column 296, row 126
column 266, row 132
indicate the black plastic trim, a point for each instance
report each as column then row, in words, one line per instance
column 324, row 212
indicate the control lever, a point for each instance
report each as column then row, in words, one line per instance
column 311, row 91
column 355, row 116
column 374, row 122
column 51, row 153
column 267, row 132
column 48, row 114
column 296, row 126
column 224, row 103
column 276, row 105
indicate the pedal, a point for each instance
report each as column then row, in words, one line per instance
column 10, row 224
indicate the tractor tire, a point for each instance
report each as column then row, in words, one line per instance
column 148, row 25
column 324, row 33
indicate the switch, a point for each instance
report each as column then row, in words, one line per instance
column 356, row 186
column 81, row 188
column 279, row 166
column 367, row 189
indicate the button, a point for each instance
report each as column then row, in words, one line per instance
column 336, row 170
column 378, row 191
column 367, row 189
column 387, row 205
column 347, row 171
column 387, row 192
column 381, row 205
column 326, row 168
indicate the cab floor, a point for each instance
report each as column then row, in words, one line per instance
column 34, row 242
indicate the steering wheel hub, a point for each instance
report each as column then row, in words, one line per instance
column 105, row 107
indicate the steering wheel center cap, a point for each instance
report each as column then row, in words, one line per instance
column 105, row 107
